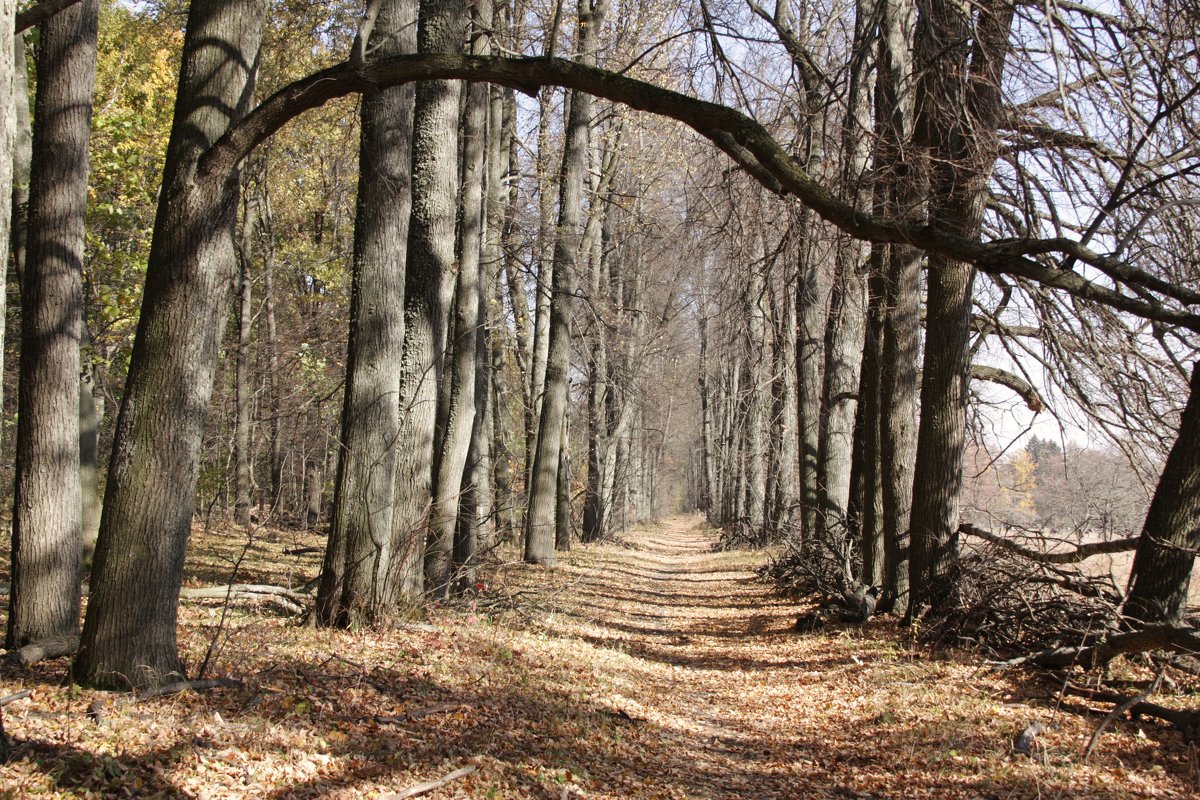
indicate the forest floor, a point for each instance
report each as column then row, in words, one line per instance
column 647, row 668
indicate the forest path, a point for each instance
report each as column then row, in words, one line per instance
column 702, row 665
column 714, row 695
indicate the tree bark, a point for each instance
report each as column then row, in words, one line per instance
column 1170, row 538
column 441, row 28
column 462, row 354
column 46, row 528
column 541, row 521
column 956, row 127
column 357, row 577
column 243, row 391
column 129, row 633
column 901, row 334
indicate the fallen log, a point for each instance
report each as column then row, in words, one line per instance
column 54, row 647
column 289, row 599
column 1186, row 721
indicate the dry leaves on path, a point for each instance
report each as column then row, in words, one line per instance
column 649, row 668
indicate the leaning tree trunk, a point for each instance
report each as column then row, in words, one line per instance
column 129, row 633
column 957, row 129
column 1166, row 552
column 356, row 578
column 46, row 526
column 431, row 257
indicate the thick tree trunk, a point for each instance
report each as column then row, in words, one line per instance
column 357, row 578
column 957, row 128
column 1166, row 552
column 46, row 528
column 129, row 633
column 431, row 259
column 18, row 141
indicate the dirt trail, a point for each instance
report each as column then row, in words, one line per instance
column 724, row 700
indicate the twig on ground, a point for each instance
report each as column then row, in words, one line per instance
column 429, row 786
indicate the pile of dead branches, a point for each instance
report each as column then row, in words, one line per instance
column 741, row 535
column 1012, row 595
column 824, row 565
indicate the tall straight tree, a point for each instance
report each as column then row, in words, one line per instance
column 357, row 579
column 441, row 28
column 961, row 58
column 462, row 355
column 540, row 525
column 48, row 507
column 483, row 151
column 901, row 334
column 129, row 633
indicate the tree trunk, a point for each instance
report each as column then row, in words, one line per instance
column 956, row 127
column 1170, row 539
column 357, row 585
column 462, row 354
column 431, row 259
column 90, row 414
column 541, row 521
column 813, row 296
column 756, row 391
column 46, row 527
column 152, row 474
column 785, row 377
column 898, row 380
column 243, row 392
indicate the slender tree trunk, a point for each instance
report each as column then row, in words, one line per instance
column 357, row 585
column 18, row 139
column 90, row 415
column 898, row 380
column 431, row 258
column 541, row 522
column 868, row 466
column 756, row 393
column 562, row 510
column 243, row 392
column 787, row 468
column 813, row 297
column 152, row 474
column 46, row 532
column 462, row 354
